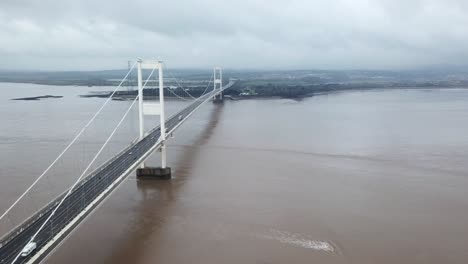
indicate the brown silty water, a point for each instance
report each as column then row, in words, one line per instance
column 355, row 177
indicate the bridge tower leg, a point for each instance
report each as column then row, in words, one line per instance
column 218, row 84
column 162, row 172
column 140, row 103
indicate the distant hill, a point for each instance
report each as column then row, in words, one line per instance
column 442, row 76
column 90, row 78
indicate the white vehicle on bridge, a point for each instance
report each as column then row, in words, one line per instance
column 30, row 247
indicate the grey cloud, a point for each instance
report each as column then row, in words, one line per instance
column 90, row 34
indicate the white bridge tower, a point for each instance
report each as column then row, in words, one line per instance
column 153, row 109
column 218, row 83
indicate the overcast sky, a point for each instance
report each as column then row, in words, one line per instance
column 306, row 34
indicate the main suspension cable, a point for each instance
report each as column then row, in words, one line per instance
column 204, row 92
column 180, row 86
column 211, row 79
column 180, row 97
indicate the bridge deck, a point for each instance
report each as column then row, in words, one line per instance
column 87, row 195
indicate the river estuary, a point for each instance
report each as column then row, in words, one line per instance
column 361, row 177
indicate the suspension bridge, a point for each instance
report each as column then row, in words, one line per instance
column 33, row 239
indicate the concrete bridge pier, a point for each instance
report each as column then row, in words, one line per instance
column 154, row 173
column 218, row 99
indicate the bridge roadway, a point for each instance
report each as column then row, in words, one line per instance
column 87, row 195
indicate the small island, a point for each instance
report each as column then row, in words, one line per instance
column 34, row 98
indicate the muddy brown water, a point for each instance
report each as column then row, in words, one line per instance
column 354, row 177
